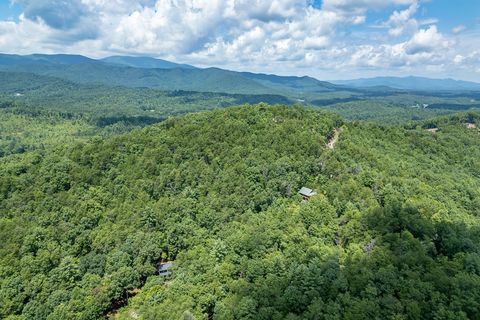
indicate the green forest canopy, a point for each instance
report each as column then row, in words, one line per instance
column 392, row 234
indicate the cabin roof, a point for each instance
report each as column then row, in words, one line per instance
column 165, row 266
column 306, row 192
column 163, row 269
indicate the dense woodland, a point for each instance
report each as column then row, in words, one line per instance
column 393, row 233
column 110, row 169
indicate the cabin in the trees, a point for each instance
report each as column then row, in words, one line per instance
column 306, row 193
column 163, row 268
column 471, row 125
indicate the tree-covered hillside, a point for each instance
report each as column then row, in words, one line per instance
column 20, row 132
column 94, row 102
column 135, row 72
column 38, row 111
column 145, row 62
column 119, row 109
column 127, row 84
column 413, row 83
column 392, row 234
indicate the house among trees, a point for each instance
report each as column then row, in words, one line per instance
column 163, row 268
column 306, row 193
column 471, row 125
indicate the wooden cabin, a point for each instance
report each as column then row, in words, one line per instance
column 306, row 193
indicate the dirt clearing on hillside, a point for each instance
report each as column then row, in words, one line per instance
column 334, row 139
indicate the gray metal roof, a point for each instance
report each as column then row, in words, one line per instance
column 164, row 267
column 306, row 192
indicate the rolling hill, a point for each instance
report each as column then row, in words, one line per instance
column 412, row 83
column 300, row 85
column 121, row 73
column 145, row 62
column 42, row 59
column 393, row 232
column 161, row 74
column 107, row 104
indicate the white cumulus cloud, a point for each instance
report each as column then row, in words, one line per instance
column 427, row 40
column 283, row 36
column 401, row 21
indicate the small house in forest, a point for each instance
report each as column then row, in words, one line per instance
column 306, row 193
column 163, row 268
column 471, row 125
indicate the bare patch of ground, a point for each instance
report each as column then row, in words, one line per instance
column 334, row 139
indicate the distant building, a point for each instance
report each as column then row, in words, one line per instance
column 470, row 125
column 369, row 246
column 306, row 193
column 163, row 268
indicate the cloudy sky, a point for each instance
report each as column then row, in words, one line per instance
column 327, row 39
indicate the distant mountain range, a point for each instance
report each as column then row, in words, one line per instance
column 145, row 62
column 165, row 75
column 160, row 74
column 411, row 83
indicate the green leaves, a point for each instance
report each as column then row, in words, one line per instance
column 391, row 234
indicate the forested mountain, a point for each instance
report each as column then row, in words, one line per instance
column 198, row 164
column 210, row 80
column 393, row 232
column 144, row 72
column 42, row 59
column 298, row 84
column 161, row 74
column 51, row 94
column 117, row 109
column 145, row 62
column 412, row 83
column 40, row 111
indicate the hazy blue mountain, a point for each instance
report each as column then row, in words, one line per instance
column 208, row 80
column 10, row 59
column 298, row 84
column 165, row 75
column 61, row 58
column 50, row 94
column 90, row 71
column 411, row 83
column 145, row 62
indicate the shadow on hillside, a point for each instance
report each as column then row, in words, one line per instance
column 134, row 120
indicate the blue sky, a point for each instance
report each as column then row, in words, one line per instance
column 327, row 39
column 452, row 13
column 9, row 10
